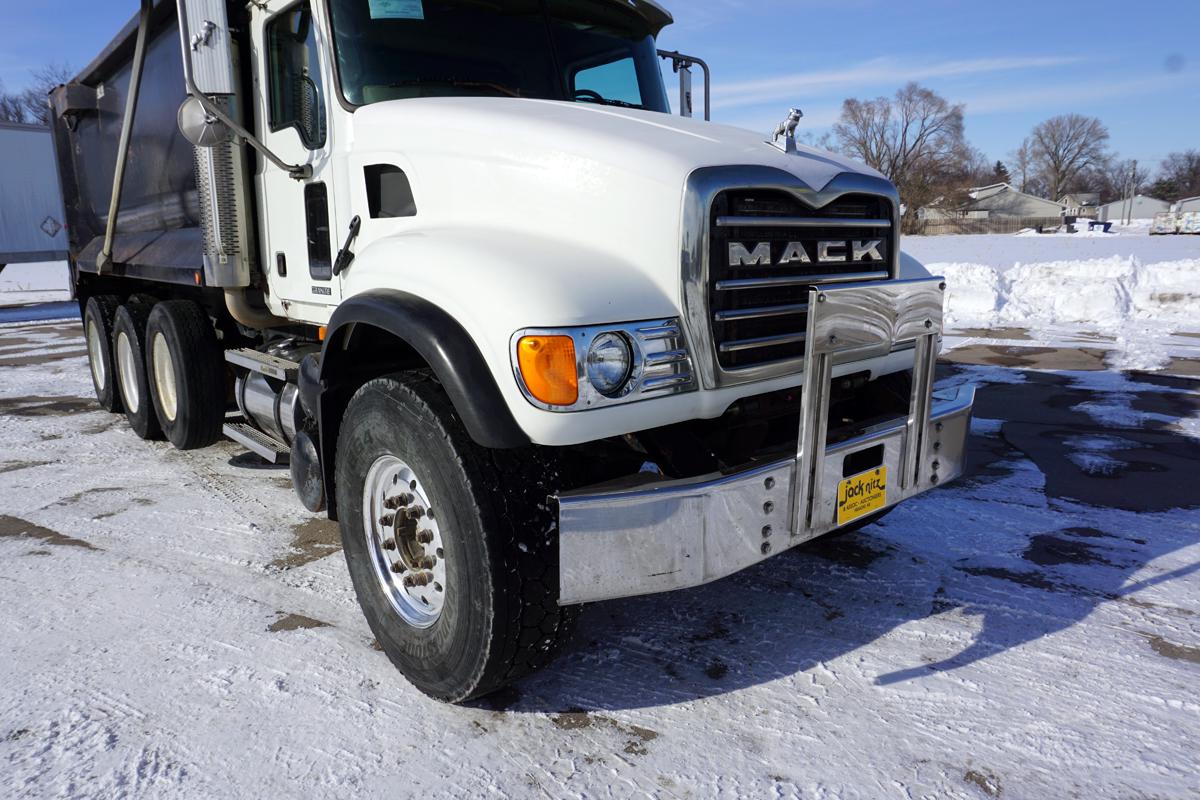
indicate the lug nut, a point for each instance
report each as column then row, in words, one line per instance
column 425, row 536
column 766, row 548
column 397, row 568
column 768, row 507
column 418, row 579
column 390, row 544
column 427, row 562
column 413, row 514
column 767, row 531
column 399, row 501
column 387, row 520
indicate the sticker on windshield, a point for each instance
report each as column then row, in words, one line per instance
column 397, row 9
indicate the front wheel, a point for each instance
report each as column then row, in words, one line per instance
column 452, row 548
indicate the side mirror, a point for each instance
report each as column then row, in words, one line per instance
column 200, row 127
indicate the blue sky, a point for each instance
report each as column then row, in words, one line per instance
column 1136, row 65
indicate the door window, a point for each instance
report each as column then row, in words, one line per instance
column 320, row 247
column 297, row 91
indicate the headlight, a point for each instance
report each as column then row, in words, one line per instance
column 609, row 363
column 594, row 366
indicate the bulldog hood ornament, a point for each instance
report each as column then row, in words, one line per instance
column 787, row 131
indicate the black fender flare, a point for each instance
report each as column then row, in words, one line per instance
column 440, row 341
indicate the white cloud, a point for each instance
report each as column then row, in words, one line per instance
column 1063, row 96
column 876, row 71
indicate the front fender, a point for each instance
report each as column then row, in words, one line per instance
column 441, row 343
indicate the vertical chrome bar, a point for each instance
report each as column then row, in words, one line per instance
column 104, row 258
column 814, row 416
column 924, row 366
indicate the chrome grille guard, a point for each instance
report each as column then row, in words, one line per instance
column 674, row 534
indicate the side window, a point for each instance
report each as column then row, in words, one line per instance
column 297, row 92
column 316, row 221
column 616, row 80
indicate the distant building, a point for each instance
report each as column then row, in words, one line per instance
column 1002, row 200
column 1143, row 208
column 1188, row 204
column 1081, row 204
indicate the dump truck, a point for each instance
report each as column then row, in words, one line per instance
column 530, row 337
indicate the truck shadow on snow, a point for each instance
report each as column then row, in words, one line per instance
column 1058, row 512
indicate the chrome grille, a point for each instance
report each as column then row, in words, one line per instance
column 758, row 307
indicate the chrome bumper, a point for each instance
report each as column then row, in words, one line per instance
column 675, row 534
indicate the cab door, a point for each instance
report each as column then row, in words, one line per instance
column 298, row 217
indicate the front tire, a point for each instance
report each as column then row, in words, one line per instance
column 452, row 548
column 129, row 353
column 185, row 368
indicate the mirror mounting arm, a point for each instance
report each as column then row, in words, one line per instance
column 682, row 65
column 298, row 172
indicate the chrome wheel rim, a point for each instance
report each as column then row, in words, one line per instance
column 164, row 376
column 96, row 356
column 126, row 366
column 404, row 542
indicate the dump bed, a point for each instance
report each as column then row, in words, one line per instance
column 159, row 234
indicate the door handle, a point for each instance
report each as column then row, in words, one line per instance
column 345, row 256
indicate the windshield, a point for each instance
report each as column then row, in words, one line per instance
column 590, row 51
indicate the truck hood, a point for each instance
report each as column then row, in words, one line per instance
column 664, row 146
column 543, row 213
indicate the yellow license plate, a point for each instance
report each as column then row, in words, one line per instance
column 861, row 495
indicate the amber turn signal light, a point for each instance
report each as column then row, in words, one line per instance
column 549, row 369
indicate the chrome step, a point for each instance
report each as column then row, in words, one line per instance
column 269, row 365
column 257, row 442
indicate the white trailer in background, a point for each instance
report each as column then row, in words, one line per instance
column 31, row 207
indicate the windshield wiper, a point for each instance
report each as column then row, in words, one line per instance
column 496, row 87
column 604, row 101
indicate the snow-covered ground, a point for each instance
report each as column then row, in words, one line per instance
column 44, row 282
column 174, row 626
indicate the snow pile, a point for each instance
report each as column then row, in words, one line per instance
column 43, row 282
column 1104, row 293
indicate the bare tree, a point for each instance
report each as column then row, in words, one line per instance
column 31, row 106
column 1023, row 171
column 914, row 138
column 1113, row 179
column 1178, row 176
column 1062, row 147
column 11, row 107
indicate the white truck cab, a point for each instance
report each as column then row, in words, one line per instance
column 532, row 340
